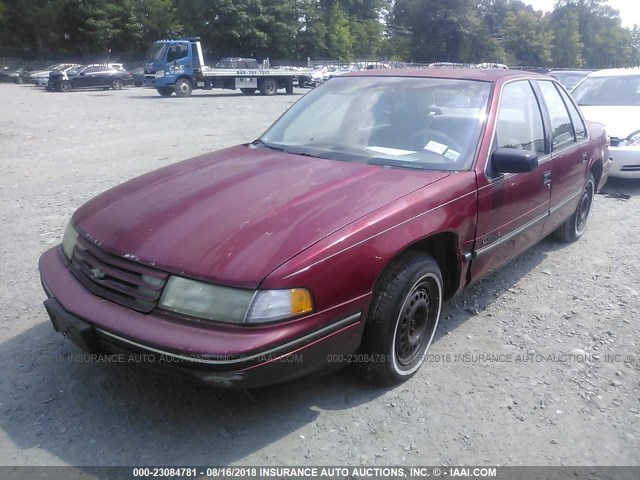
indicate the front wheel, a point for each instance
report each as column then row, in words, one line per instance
column 573, row 227
column 402, row 321
column 65, row 86
column 165, row 91
column 183, row 88
column 116, row 84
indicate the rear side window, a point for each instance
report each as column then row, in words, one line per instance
column 519, row 123
column 562, row 127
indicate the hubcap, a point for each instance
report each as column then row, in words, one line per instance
column 415, row 324
column 184, row 88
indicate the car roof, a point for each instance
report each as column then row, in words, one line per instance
column 585, row 72
column 481, row 74
column 616, row 72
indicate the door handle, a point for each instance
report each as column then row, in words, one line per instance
column 584, row 157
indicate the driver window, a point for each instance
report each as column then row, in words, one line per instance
column 177, row 51
column 519, row 124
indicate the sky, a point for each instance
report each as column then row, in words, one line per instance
column 629, row 9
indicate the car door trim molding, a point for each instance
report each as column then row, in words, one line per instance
column 514, row 233
column 555, row 208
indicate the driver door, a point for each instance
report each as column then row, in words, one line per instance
column 513, row 207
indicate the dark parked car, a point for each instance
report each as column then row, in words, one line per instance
column 335, row 236
column 90, row 76
column 12, row 75
column 138, row 76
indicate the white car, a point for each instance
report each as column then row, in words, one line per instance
column 612, row 97
column 40, row 77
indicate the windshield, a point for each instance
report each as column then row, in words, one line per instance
column 423, row 123
column 569, row 80
column 609, row 91
column 156, row 51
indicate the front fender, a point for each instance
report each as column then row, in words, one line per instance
column 347, row 263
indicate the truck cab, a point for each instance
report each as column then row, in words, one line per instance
column 169, row 61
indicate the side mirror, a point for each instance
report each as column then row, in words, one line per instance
column 512, row 160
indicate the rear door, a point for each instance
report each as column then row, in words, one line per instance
column 103, row 76
column 569, row 151
column 513, row 207
column 86, row 78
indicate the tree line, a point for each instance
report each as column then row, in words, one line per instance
column 576, row 33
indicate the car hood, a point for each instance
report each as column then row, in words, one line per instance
column 620, row 121
column 233, row 216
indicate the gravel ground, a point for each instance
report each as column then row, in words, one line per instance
column 500, row 386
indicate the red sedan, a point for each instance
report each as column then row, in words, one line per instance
column 335, row 236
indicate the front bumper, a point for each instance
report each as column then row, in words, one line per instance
column 626, row 161
column 228, row 356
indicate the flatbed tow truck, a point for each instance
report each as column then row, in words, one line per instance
column 177, row 66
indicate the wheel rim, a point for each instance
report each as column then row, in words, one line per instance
column 417, row 322
column 117, row 84
column 584, row 207
column 65, row 86
column 183, row 87
column 271, row 87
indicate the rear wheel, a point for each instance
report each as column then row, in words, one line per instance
column 19, row 80
column 573, row 228
column 268, row 86
column 183, row 88
column 403, row 319
column 165, row 91
column 116, row 84
column 248, row 91
column 65, row 86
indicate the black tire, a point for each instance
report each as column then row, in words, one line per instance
column 165, row 91
column 116, row 84
column 402, row 320
column 65, row 86
column 183, row 88
column 19, row 80
column 288, row 86
column 268, row 86
column 248, row 91
column 573, row 227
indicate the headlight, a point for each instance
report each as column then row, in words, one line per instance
column 232, row 305
column 69, row 240
column 634, row 138
column 159, row 74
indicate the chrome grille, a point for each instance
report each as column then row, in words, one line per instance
column 116, row 279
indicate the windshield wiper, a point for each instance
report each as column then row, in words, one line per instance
column 262, row 143
column 396, row 164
